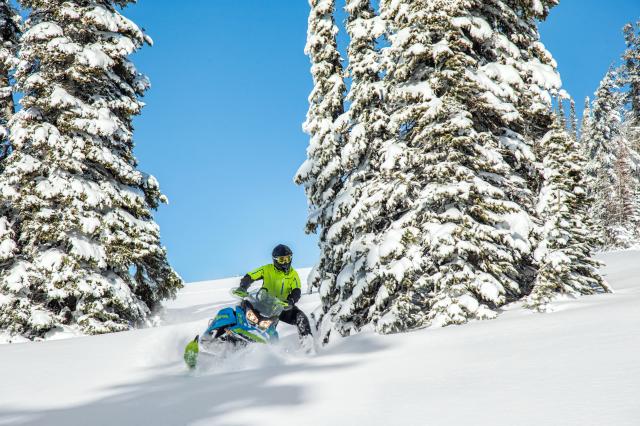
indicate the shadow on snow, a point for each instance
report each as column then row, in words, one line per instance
column 183, row 398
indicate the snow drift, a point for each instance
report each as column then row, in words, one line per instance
column 575, row 366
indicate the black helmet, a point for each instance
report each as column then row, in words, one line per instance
column 281, row 255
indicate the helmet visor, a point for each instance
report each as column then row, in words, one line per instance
column 282, row 260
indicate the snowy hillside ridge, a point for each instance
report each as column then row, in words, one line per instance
column 191, row 292
column 576, row 366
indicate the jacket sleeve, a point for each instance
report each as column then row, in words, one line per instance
column 296, row 291
column 251, row 277
column 296, row 281
column 257, row 274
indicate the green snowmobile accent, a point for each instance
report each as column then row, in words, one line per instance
column 249, row 335
column 240, row 292
column 191, row 353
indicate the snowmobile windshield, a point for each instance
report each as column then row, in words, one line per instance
column 267, row 305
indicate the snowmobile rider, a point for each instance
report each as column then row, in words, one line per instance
column 281, row 281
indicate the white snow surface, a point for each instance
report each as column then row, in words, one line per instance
column 577, row 365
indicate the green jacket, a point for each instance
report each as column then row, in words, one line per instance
column 277, row 283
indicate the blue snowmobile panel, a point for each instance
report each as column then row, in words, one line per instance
column 224, row 318
column 251, row 331
column 241, row 317
column 273, row 334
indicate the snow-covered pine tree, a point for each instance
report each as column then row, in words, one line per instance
column 629, row 146
column 631, row 82
column 321, row 172
column 585, row 127
column 561, row 114
column 9, row 34
column 564, row 254
column 500, row 100
column 453, row 197
column 378, row 265
column 89, row 250
column 573, row 120
column 597, row 140
column 631, row 59
column 625, row 210
column 367, row 120
column 347, row 240
column 604, row 142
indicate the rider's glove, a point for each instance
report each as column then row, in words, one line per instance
column 240, row 292
column 294, row 296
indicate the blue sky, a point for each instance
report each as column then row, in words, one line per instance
column 222, row 126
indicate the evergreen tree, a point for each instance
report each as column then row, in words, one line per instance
column 561, row 115
column 321, row 172
column 573, row 121
column 631, row 81
column 360, row 208
column 564, row 254
column 486, row 261
column 9, row 34
column 467, row 91
column 585, row 127
column 367, row 119
column 361, row 128
column 611, row 166
column 603, row 125
column 625, row 209
column 89, row 251
column 378, row 267
column 631, row 78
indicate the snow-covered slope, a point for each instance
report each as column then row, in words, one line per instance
column 577, row 366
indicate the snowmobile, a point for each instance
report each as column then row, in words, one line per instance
column 254, row 320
